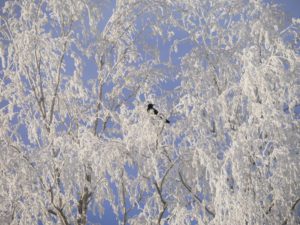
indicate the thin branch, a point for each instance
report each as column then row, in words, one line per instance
column 83, row 206
column 101, row 83
column 194, row 195
column 165, row 204
column 294, row 205
column 84, row 200
column 59, row 210
column 159, row 191
column 42, row 97
column 57, row 84
column 32, row 85
column 166, row 173
column 125, row 212
column 29, row 163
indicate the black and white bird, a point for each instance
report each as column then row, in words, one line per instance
column 152, row 110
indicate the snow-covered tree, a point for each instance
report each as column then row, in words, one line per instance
column 75, row 133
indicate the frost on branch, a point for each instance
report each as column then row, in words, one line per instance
column 76, row 78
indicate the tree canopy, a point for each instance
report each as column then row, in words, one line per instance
column 75, row 133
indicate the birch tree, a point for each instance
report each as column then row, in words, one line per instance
column 76, row 79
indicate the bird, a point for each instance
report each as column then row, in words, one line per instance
column 151, row 109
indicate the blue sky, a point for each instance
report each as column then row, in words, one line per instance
column 291, row 7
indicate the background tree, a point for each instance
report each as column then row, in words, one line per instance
column 76, row 79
